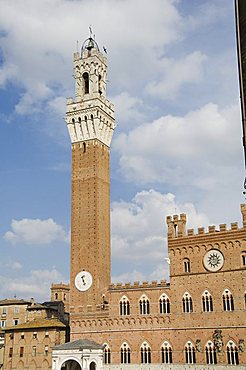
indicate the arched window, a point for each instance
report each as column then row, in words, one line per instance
column 56, row 295
column 145, row 353
column 164, row 304
column 124, row 306
column 211, row 356
column 243, row 258
column 232, row 353
column 186, row 265
column 187, row 303
column 86, row 82
column 125, row 354
column 107, row 354
column 228, row 301
column 207, row 302
column 144, row 306
column 166, row 353
column 92, row 365
column 190, row 353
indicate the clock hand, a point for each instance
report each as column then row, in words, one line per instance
column 83, row 279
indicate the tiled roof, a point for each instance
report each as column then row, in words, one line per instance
column 80, row 344
column 36, row 324
column 6, row 302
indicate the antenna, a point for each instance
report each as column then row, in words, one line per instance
column 90, row 29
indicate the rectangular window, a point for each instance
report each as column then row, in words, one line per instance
column 3, row 323
column 15, row 322
column 21, row 351
column 35, row 335
column 46, row 334
column 46, row 350
column 22, row 335
column 34, row 350
column 11, row 352
column 16, row 309
column 4, row 311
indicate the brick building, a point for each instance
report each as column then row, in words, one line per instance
column 196, row 318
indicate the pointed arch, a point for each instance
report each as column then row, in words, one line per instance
column 166, row 353
column 187, row 303
column 227, row 300
column 144, row 305
column 20, row 365
column 45, row 365
column 164, row 303
column 125, row 353
column 211, row 355
column 145, row 351
column 124, row 306
column 207, row 301
column 107, row 354
column 33, row 365
column 190, row 353
column 232, row 353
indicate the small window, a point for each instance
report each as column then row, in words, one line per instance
column 56, row 296
column 124, row 306
column 164, row 304
column 166, row 353
column 107, row 354
column 15, row 322
column 16, row 309
column 46, row 334
column 243, row 258
column 211, row 355
column 64, row 296
column 86, row 82
column 11, row 352
column 144, row 306
column 21, row 351
column 187, row 303
column 207, row 302
column 145, row 354
column 232, row 353
column 186, row 265
column 190, row 353
column 46, row 350
column 5, row 310
column 3, row 323
column 125, row 354
column 35, row 335
column 228, row 301
column 22, row 335
column 34, row 351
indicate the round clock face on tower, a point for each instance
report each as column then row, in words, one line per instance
column 83, row 281
column 213, row 260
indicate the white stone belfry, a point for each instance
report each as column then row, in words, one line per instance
column 90, row 115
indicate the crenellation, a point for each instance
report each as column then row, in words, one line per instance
column 211, row 229
column 190, row 232
column 137, row 285
column 223, row 227
column 234, row 226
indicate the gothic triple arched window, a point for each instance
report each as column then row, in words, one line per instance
column 164, row 304
column 125, row 354
column 145, row 353
column 228, row 300
column 124, row 306
column 190, row 353
column 187, row 303
column 166, row 353
column 211, row 355
column 144, row 306
column 232, row 353
column 107, row 354
column 207, row 302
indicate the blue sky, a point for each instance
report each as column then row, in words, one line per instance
column 172, row 72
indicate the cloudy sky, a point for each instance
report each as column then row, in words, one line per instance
column 177, row 147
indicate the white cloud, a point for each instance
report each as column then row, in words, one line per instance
column 199, row 149
column 36, row 284
column 139, row 232
column 174, row 73
column 129, row 109
column 35, row 232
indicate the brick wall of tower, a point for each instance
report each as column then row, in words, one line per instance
column 90, row 223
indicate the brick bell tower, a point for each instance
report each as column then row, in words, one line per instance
column 90, row 121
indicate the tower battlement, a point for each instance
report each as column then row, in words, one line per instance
column 177, row 227
column 137, row 285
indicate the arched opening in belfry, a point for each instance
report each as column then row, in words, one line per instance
column 71, row 365
column 93, row 365
column 86, row 82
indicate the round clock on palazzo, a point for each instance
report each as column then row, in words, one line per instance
column 213, row 260
column 83, row 281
